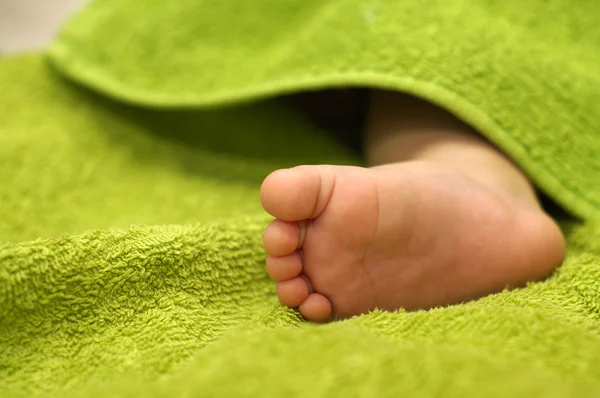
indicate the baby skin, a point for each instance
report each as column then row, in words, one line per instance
column 440, row 218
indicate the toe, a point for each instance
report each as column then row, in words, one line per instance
column 297, row 193
column 281, row 238
column 284, row 267
column 292, row 292
column 316, row 308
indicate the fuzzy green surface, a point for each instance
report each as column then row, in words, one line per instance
column 525, row 73
column 74, row 161
column 96, row 308
column 130, row 235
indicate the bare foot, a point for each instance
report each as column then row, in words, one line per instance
column 411, row 235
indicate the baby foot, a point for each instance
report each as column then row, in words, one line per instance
column 412, row 235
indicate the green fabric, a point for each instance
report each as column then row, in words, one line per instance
column 525, row 73
column 179, row 304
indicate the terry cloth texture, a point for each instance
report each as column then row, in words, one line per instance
column 525, row 73
column 130, row 254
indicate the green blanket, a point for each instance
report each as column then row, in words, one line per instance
column 130, row 227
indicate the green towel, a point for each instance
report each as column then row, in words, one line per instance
column 130, row 234
column 525, row 73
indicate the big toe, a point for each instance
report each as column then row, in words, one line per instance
column 298, row 193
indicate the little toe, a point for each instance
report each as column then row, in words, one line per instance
column 284, row 267
column 292, row 292
column 316, row 308
column 298, row 193
column 281, row 238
